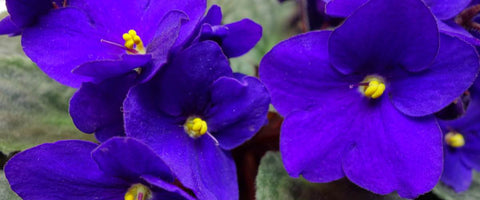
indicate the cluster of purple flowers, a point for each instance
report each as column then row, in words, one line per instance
column 155, row 87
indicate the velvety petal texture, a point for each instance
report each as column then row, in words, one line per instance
column 96, row 108
column 61, row 170
column 405, row 36
column 130, row 159
column 426, row 92
column 456, row 174
column 236, row 38
column 446, row 9
column 332, row 130
column 8, row 27
column 342, row 8
column 306, row 63
column 74, row 169
column 198, row 82
column 83, row 35
column 239, row 109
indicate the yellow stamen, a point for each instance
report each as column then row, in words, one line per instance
column 195, row 127
column 133, row 42
column 138, row 192
column 375, row 87
column 455, row 139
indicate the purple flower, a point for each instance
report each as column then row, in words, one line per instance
column 193, row 112
column 444, row 11
column 97, row 46
column 108, row 54
column 462, row 145
column 359, row 100
column 235, row 38
column 26, row 13
column 121, row 168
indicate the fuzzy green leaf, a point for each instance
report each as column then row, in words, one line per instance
column 446, row 193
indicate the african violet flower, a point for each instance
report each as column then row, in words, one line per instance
column 444, row 11
column 23, row 14
column 359, row 100
column 120, row 168
column 462, row 145
column 83, row 39
column 96, row 45
column 193, row 112
column 235, row 38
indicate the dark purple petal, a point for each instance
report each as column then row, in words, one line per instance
column 470, row 153
column 406, row 35
column 63, row 40
column 446, row 9
column 213, row 16
column 405, row 156
column 455, row 173
column 141, row 15
column 297, row 72
column 183, row 87
column 25, row 13
column 343, row 8
column 166, row 190
column 198, row 163
column 239, row 110
column 454, row 29
column 426, row 92
column 162, row 42
column 101, row 70
column 241, row 37
column 129, row 159
column 365, row 146
column 8, row 27
column 62, row 170
column 96, row 108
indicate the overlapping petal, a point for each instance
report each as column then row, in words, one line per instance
column 292, row 71
column 239, row 110
column 426, row 92
column 129, row 159
column 96, row 108
column 455, row 173
column 193, row 71
column 406, row 35
column 198, row 163
column 61, row 170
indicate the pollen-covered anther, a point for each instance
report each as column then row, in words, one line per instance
column 454, row 139
column 133, row 42
column 195, row 127
column 372, row 87
column 138, row 192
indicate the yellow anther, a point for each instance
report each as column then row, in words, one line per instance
column 126, row 36
column 454, row 139
column 138, row 192
column 195, row 127
column 129, row 44
column 133, row 42
column 375, row 87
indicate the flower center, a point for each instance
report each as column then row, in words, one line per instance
column 133, row 42
column 138, row 192
column 195, row 127
column 454, row 139
column 372, row 86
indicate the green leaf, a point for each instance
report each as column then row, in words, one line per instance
column 275, row 19
column 273, row 183
column 5, row 192
column 446, row 193
column 33, row 108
